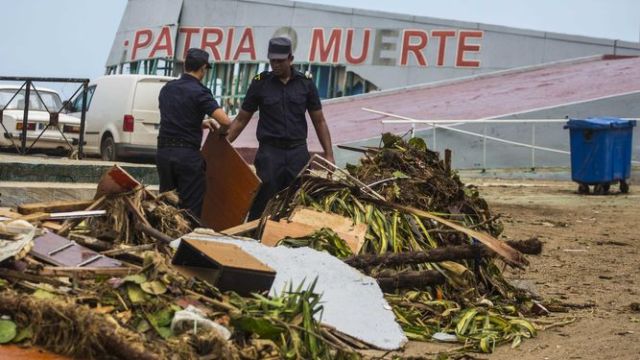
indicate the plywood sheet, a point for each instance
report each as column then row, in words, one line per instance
column 228, row 255
column 54, row 206
column 16, row 352
column 352, row 233
column 275, row 231
column 231, row 185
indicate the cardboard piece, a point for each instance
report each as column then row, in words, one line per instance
column 115, row 181
column 305, row 222
column 226, row 266
column 231, row 185
column 56, row 250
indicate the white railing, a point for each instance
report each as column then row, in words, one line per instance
column 448, row 125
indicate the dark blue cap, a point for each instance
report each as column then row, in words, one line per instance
column 279, row 48
column 198, row 56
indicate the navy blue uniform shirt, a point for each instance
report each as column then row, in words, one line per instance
column 183, row 105
column 282, row 106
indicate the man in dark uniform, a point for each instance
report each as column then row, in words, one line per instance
column 282, row 95
column 184, row 103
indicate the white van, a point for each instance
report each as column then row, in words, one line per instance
column 122, row 118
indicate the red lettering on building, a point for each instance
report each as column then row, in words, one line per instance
column 415, row 48
column 322, row 49
column 227, row 53
column 348, row 51
column 442, row 44
column 246, row 45
column 187, row 39
column 206, row 44
column 464, row 47
column 139, row 43
column 163, row 43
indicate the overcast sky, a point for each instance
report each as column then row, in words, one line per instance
column 72, row 38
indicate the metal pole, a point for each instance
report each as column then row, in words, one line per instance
column 413, row 130
column 25, row 118
column 484, row 148
column 83, row 119
column 533, row 147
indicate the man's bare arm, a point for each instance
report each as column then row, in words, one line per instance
column 221, row 118
column 238, row 124
column 320, row 124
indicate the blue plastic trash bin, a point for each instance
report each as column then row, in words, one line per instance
column 600, row 152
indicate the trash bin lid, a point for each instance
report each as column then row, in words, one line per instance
column 599, row 123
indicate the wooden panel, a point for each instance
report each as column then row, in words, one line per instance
column 275, row 231
column 227, row 255
column 54, row 206
column 352, row 233
column 231, row 185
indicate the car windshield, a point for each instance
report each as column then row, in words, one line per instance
column 50, row 99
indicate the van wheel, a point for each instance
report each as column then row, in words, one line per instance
column 108, row 149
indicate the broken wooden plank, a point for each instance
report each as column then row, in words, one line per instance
column 275, row 231
column 242, row 228
column 19, row 275
column 15, row 352
column 115, row 181
column 54, row 207
column 352, row 233
column 69, row 224
column 91, row 242
column 35, row 217
column 231, row 185
column 9, row 213
column 87, row 272
column 51, row 225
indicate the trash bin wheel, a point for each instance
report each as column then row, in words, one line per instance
column 601, row 189
column 583, row 189
column 624, row 187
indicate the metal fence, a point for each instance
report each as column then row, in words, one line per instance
column 438, row 126
column 28, row 86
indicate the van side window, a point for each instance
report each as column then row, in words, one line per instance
column 77, row 103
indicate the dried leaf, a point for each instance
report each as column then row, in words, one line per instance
column 154, row 287
column 136, row 295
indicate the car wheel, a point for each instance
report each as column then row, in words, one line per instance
column 108, row 149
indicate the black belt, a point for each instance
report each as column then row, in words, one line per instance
column 166, row 142
column 283, row 143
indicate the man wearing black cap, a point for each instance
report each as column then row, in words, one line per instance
column 184, row 103
column 282, row 95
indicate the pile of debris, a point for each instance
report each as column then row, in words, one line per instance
column 429, row 241
column 98, row 279
column 128, row 275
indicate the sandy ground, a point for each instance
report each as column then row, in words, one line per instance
column 590, row 255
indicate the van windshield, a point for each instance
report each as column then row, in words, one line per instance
column 50, row 99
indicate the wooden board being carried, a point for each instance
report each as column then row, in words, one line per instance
column 304, row 221
column 231, row 185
